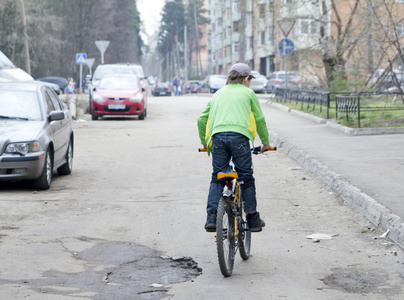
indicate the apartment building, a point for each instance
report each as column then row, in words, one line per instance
column 248, row 31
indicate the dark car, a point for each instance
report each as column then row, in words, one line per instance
column 119, row 94
column 60, row 81
column 162, row 89
column 36, row 135
column 212, row 83
column 194, row 87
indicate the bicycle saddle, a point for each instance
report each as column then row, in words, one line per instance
column 228, row 174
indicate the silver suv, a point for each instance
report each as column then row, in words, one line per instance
column 282, row 79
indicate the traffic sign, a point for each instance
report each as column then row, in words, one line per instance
column 286, row 26
column 102, row 46
column 286, row 46
column 81, row 58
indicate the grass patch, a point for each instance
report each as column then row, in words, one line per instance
column 376, row 112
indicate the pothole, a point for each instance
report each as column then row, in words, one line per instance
column 358, row 282
column 117, row 270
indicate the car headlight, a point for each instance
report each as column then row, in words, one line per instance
column 137, row 98
column 23, row 147
column 98, row 98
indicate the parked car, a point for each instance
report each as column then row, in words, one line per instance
column 387, row 83
column 283, row 79
column 121, row 68
column 60, row 81
column 36, row 134
column 212, row 83
column 53, row 86
column 162, row 89
column 119, row 94
column 194, row 87
column 259, row 83
column 9, row 72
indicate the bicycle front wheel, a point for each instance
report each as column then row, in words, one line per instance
column 225, row 236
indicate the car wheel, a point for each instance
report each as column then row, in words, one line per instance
column 67, row 168
column 142, row 115
column 94, row 117
column 44, row 181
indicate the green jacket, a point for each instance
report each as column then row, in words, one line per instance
column 233, row 108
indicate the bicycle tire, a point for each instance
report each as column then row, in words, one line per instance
column 225, row 237
column 244, row 236
column 244, row 239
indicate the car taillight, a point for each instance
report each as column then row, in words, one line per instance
column 278, row 81
column 156, row 89
column 169, row 89
column 297, row 81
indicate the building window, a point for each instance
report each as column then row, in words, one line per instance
column 235, row 7
column 249, row 19
column 235, row 26
column 262, row 11
column 308, row 27
column 235, row 47
column 268, row 34
column 250, row 43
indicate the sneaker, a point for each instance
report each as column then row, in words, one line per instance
column 210, row 225
column 255, row 223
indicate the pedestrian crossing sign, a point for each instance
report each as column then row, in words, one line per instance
column 81, row 58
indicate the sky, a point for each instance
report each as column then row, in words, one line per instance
column 150, row 15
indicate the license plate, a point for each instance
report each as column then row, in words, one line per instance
column 116, row 106
column 163, row 93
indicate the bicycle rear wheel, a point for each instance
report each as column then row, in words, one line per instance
column 225, row 236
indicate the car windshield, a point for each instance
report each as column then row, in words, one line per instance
column 116, row 70
column 119, row 83
column 19, row 105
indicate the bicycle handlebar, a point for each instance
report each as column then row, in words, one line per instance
column 254, row 150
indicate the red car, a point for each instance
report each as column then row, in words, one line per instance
column 119, row 94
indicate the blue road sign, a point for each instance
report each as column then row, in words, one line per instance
column 286, row 46
column 81, row 58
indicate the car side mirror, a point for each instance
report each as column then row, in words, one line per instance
column 94, row 89
column 56, row 115
column 143, row 89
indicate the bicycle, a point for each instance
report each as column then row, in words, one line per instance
column 232, row 232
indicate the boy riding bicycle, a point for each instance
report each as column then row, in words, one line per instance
column 230, row 121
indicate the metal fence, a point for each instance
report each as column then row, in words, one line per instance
column 356, row 103
column 308, row 99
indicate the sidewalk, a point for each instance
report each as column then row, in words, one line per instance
column 365, row 167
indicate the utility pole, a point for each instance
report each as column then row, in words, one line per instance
column 26, row 45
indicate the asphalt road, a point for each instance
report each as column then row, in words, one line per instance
column 137, row 198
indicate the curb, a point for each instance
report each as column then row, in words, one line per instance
column 352, row 196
